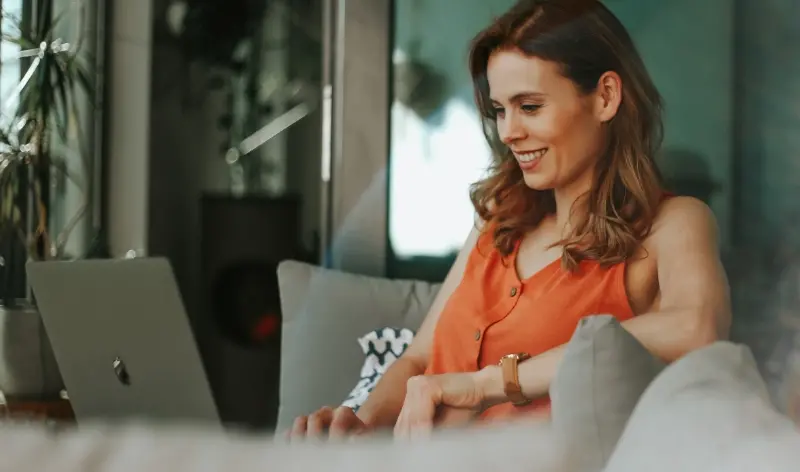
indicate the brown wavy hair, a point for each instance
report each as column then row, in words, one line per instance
column 586, row 40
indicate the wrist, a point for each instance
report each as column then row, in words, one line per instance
column 490, row 385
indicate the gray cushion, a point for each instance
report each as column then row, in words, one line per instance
column 603, row 373
column 709, row 411
column 324, row 313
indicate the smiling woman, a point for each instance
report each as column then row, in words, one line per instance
column 573, row 222
column 576, row 123
column 567, row 94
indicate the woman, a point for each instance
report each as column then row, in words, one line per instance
column 573, row 222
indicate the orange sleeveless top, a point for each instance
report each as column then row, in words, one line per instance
column 493, row 313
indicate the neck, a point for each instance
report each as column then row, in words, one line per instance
column 567, row 212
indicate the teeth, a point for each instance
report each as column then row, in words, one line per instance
column 529, row 156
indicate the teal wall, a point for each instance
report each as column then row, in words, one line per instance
column 768, row 110
column 688, row 48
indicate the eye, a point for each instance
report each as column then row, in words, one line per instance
column 530, row 108
column 499, row 112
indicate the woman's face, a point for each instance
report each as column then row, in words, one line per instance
column 555, row 132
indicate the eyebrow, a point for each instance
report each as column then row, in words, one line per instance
column 521, row 96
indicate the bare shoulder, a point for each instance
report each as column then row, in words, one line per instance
column 682, row 219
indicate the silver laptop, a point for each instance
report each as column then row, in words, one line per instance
column 123, row 341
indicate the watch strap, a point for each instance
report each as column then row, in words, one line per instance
column 509, row 365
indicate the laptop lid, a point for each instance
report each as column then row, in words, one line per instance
column 122, row 340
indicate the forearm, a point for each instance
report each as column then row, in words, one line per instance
column 667, row 334
column 384, row 402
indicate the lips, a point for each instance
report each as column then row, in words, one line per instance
column 530, row 159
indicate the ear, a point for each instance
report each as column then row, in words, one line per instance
column 608, row 96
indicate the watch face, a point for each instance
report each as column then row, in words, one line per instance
column 517, row 356
column 508, row 356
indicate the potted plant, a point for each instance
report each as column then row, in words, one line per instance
column 34, row 133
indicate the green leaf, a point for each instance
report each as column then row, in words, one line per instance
column 84, row 79
column 13, row 39
column 16, row 215
column 44, row 22
column 60, row 166
column 61, row 83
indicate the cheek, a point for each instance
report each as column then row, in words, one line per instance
column 587, row 139
column 555, row 129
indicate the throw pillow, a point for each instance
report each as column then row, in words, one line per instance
column 381, row 347
column 708, row 411
column 324, row 311
column 603, row 373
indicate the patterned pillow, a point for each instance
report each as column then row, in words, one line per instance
column 381, row 347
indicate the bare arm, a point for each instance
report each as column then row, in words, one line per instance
column 695, row 306
column 384, row 403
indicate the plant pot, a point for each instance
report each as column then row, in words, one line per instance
column 28, row 368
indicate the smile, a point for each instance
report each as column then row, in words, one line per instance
column 529, row 160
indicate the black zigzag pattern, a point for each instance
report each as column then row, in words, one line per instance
column 390, row 345
column 380, row 343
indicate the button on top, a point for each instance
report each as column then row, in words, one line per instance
column 477, row 335
column 513, row 291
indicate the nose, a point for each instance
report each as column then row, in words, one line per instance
column 511, row 129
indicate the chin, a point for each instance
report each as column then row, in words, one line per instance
column 537, row 182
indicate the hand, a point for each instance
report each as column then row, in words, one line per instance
column 447, row 400
column 328, row 422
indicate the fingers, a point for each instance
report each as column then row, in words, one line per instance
column 344, row 422
column 417, row 415
column 424, row 404
column 299, row 427
column 327, row 422
column 449, row 417
column 408, row 427
column 319, row 422
column 402, row 428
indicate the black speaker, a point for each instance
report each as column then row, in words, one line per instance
column 243, row 241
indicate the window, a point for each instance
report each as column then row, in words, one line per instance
column 10, row 71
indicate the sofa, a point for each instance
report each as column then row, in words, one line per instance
column 615, row 407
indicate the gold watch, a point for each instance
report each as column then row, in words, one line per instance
column 508, row 364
